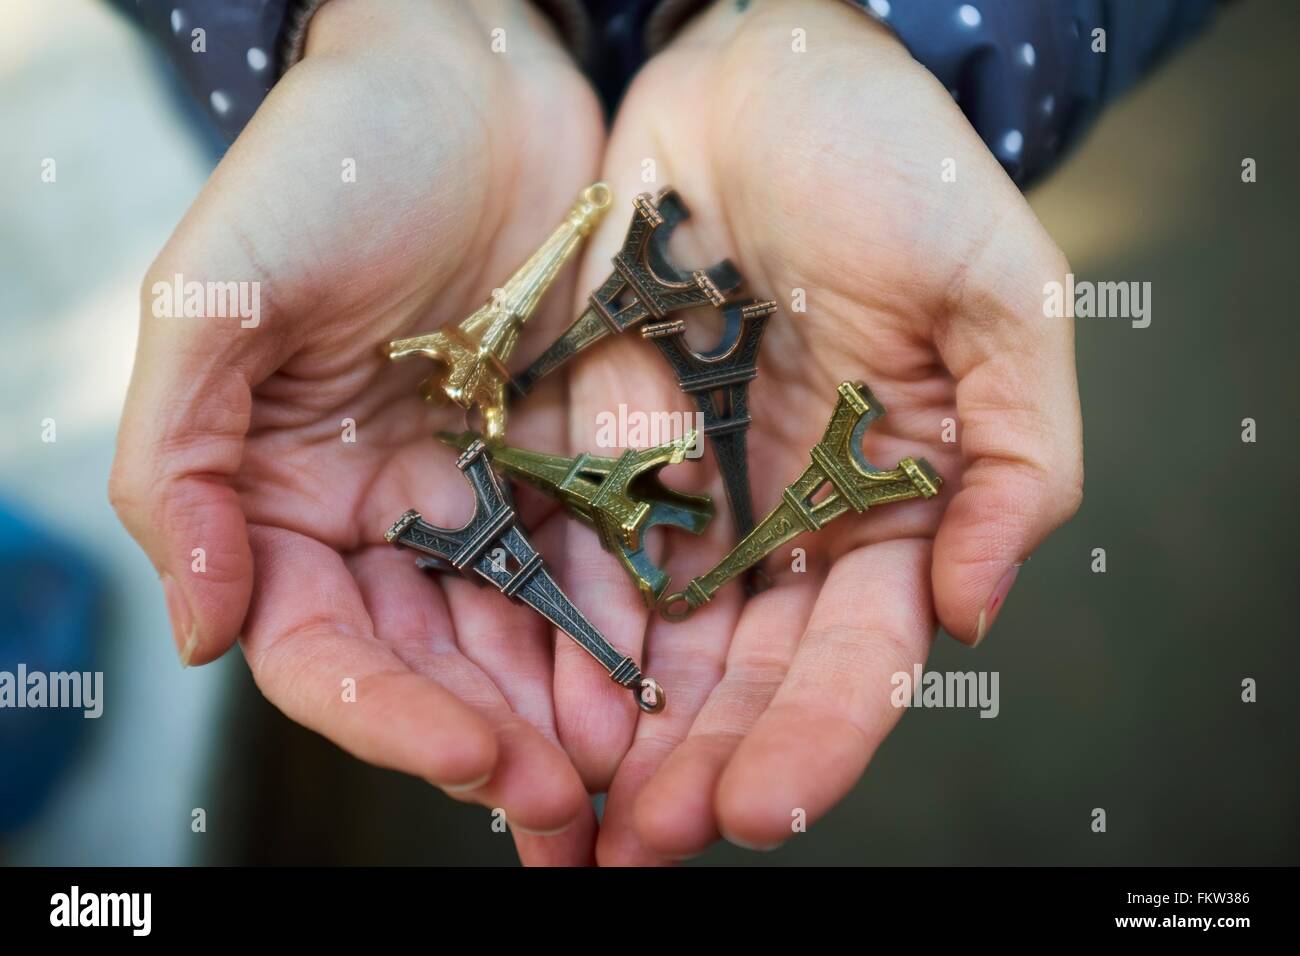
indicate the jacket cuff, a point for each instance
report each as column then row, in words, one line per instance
column 297, row 20
column 226, row 53
column 568, row 16
column 572, row 23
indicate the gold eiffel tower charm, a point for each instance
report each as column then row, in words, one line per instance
column 474, row 353
column 855, row 484
column 619, row 497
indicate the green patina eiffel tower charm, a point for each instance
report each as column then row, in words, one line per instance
column 855, row 485
column 619, row 497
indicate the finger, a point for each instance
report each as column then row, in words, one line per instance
column 180, row 441
column 689, row 658
column 618, row 843
column 573, row 846
column 596, row 717
column 1020, row 430
column 210, row 330
column 312, row 652
column 532, row 781
column 872, row 621
column 674, row 815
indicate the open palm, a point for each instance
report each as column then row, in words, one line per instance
column 389, row 180
column 818, row 171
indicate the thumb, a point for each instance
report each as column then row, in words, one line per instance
column 1018, row 412
column 181, row 438
column 220, row 310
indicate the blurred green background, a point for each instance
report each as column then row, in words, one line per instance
column 1119, row 690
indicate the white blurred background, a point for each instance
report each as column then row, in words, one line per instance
column 78, row 86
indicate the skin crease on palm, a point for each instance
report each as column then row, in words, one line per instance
column 817, row 170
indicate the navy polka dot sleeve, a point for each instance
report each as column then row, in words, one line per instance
column 227, row 53
column 1031, row 76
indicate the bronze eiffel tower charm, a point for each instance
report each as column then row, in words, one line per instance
column 719, row 380
column 492, row 546
column 644, row 286
column 855, row 484
column 474, row 353
column 620, row 497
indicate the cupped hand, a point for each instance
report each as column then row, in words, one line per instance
column 820, row 172
column 387, row 182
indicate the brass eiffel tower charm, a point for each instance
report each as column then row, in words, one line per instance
column 855, row 484
column 619, row 497
column 475, row 352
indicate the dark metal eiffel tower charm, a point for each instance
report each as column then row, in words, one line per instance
column 492, row 546
column 855, row 484
column 620, row 497
column 644, row 285
column 719, row 380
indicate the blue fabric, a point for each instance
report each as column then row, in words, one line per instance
column 241, row 56
column 619, row 48
column 1023, row 71
column 51, row 604
column 1031, row 77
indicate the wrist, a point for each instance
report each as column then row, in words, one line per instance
column 725, row 24
column 432, row 26
column 349, row 26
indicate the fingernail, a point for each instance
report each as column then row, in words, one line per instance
column 184, row 633
column 543, row 833
column 989, row 612
column 472, row 785
column 187, row 651
column 682, row 858
column 745, row 845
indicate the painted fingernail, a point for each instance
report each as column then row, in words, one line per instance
column 184, row 631
column 989, row 612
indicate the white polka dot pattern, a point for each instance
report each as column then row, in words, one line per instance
column 1023, row 71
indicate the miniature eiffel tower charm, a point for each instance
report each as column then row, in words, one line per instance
column 855, row 484
column 719, row 380
column 492, row 546
column 474, row 352
column 644, row 285
column 619, row 497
